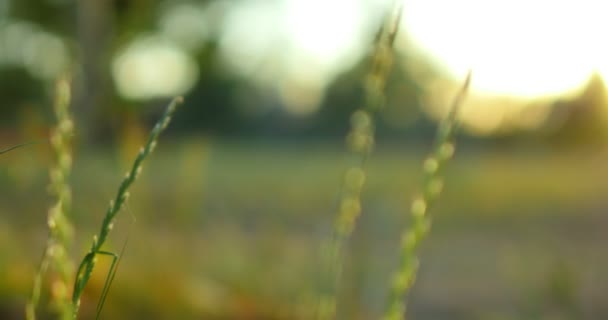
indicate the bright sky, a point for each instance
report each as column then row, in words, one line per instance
column 296, row 46
column 522, row 48
column 518, row 49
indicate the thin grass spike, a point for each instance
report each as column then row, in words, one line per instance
column 108, row 282
column 88, row 263
column 21, row 145
column 405, row 276
column 110, row 278
column 113, row 268
column 55, row 258
column 360, row 140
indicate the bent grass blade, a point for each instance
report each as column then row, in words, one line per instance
column 87, row 265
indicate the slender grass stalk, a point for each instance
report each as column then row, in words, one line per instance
column 60, row 229
column 404, row 277
column 360, row 141
column 88, row 262
column 18, row 146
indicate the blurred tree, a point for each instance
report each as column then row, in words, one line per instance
column 223, row 103
column 94, row 25
column 18, row 88
column 583, row 119
column 54, row 16
column 402, row 114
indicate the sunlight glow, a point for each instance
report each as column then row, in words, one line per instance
column 519, row 47
column 524, row 55
column 296, row 47
column 484, row 114
column 324, row 31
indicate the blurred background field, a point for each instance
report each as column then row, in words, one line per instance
column 233, row 230
column 231, row 212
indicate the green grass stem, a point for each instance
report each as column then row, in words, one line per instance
column 60, row 229
column 88, row 262
column 432, row 184
column 360, row 141
column 18, row 146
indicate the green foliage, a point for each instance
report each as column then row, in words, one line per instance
column 60, row 229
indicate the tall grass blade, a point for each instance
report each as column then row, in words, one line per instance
column 60, row 229
column 360, row 140
column 404, row 277
column 88, row 262
column 11, row 148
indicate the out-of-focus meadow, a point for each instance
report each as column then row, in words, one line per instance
column 231, row 212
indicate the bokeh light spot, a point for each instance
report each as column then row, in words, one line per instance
column 152, row 67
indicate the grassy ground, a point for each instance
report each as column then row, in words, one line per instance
column 231, row 230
